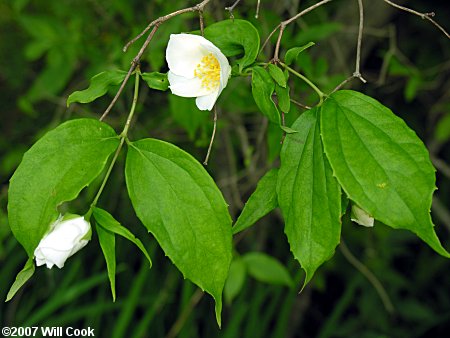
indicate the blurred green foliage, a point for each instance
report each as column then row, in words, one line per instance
column 49, row 49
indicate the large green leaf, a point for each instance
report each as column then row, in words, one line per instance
column 309, row 196
column 179, row 203
column 260, row 203
column 380, row 163
column 98, row 86
column 55, row 170
column 262, row 90
column 235, row 37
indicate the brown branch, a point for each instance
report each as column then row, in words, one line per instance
column 358, row 265
column 257, row 9
column 425, row 16
column 197, row 8
column 205, row 162
column 283, row 25
column 357, row 73
column 133, row 66
column 155, row 24
column 231, row 8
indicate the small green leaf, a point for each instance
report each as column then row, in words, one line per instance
column 156, row 80
column 108, row 244
column 98, row 86
column 53, row 171
column 309, row 196
column 235, row 37
column 261, row 202
column 108, row 222
column 277, row 74
column 262, row 90
column 380, row 163
column 284, row 100
column 291, row 54
column 288, row 130
column 267, row 269
column 235, row 280
column 179, row 203
column 443, row 128
column 22, row 277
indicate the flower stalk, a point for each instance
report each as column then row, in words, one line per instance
column 123, row 137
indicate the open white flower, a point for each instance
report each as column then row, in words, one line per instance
column 67, row 235
column 197, row 68
column 361, row 217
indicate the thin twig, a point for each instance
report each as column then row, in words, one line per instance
column 197, row 8
column 133, row 66
column 369, row 275
column 283, row 25
column 357, row 72
column 301, row 105
column 176, row 328
column 268, row 38
column 205, row 162
column 231, row 8
column 425, row 16
column 257, row 9
column 202, row 24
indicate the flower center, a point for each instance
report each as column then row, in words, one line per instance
column 208, row 71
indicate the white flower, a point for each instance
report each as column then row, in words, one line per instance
column 197, row 68
column 67, row 236
column 361, row 217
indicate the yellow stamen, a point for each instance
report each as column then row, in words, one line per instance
column 208, row 71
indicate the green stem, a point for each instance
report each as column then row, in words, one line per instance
column 123, row 137
column 308, row 82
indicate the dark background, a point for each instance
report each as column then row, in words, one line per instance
column 48, row 49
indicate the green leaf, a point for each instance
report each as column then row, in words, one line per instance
column 380, row 163
column 22, row 277
column 262, row 90
column 288, row 130
column 98, row 86
column 442, row 132
column 267, row 269
column 235, row 280
column 107, row 221
column 309, row 196
column 235, row 37
column 53, row 171
column 179, row 203
column 261, row 202
column 156, row 80
column 291, row 54
column 284, row 100
column 277, row 74
column 108, row 244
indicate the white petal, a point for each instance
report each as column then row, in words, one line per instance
column 207, row 102
column 361, row 217
column 185, row 87
column 184, row 52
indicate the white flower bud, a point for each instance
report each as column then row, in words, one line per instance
column 67, row 235
column 197, row 68
column 361, row 217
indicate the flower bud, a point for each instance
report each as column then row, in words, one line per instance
column 361, row 217
column 67, row 235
